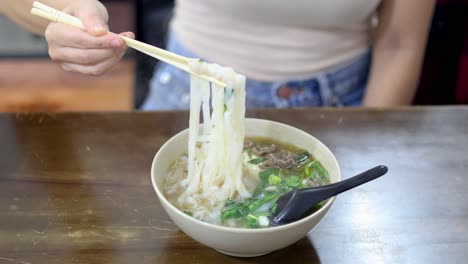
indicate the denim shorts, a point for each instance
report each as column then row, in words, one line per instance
column 342, row 86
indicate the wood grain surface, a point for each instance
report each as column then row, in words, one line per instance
column 41, row 85
column 75, row 188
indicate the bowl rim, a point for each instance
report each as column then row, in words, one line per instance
column 162, row 198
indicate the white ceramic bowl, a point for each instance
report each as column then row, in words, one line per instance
column 243, row 242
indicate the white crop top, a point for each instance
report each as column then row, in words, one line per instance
column 275, row 39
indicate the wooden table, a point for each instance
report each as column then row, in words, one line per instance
column 75, row 188
column 24, row 88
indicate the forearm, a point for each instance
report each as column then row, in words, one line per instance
column 20, row 12
column 399, row 43
column 394, row 77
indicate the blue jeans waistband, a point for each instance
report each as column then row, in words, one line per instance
column 342, row 86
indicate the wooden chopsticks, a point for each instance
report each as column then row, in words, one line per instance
column 176, row 60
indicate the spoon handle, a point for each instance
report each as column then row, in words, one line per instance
column 324, row 192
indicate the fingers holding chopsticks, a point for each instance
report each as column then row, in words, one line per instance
column 95, row 16
column 62, row 35
column 92, row 13
column 79, row 51
column 95, row 69
column 93, row 51
column 83, row 57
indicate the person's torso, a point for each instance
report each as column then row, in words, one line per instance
column 273, row 39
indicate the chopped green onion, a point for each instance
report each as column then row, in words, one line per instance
column 293, row 181
column 262, row 214
column 230, row 202
column 301, row 157
column 235, row 209
column 252, row 221
column 274, row 179
column 263, row 221
column 235, row 212
column 318, row 170
column 264, row 175
column 273, row 207
column 255, row 205
column 188, row 213
column 256, row 161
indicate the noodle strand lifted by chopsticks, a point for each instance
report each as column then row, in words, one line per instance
column 215, row 162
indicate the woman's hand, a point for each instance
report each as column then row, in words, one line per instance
column 91, row 52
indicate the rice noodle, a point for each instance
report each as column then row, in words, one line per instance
column 215, row 151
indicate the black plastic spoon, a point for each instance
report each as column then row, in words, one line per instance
column 293, row 205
